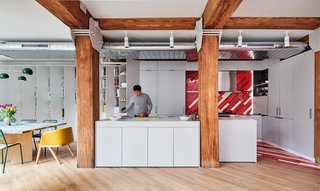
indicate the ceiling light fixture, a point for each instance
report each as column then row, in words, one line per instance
column 22, row 78
column 126, row 40
column 239, row 39
column 287, row 40
column 171, row 40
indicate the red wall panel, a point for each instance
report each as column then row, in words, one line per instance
column 239, row 102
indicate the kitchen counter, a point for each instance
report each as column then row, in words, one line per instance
column 237, row 139
column 148, row 142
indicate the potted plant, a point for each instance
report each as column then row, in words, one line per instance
column 7, row 112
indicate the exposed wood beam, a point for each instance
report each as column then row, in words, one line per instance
column 87, row 65
column 218, row 12
column 147, row 23
column 317, row 109
column 306, row 23
column 68, row 11
column 208, row 101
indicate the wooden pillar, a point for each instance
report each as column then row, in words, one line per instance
column 317, row 108
column 87, row 70
column 208, row 101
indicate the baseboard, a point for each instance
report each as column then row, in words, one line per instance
column 291, row 151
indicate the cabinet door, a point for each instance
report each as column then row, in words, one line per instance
column 149, row 65
column 273, row 95
column 172, row 65
column 286, row 133
column 304, row 103
column 264, row 127
column 186, row 147
column 134, row 146
column 286, row 89
column 272, row 131
column 108, row 146
column 160, row 147
column 148, row 82
column 171, row 92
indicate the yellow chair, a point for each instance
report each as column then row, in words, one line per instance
column 56, row 138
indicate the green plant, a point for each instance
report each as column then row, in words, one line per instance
column 8, row 111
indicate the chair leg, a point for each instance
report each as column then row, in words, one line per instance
column 54, row 155
column 1, row 156
column 35, row 144
column 45, row 151
column 21, row 155
column 69, row 148
column 5, row 160
column 38, row 155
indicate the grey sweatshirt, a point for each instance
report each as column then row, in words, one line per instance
column 142, row 104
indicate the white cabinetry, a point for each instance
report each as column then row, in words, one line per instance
column 160, row 149
column 164, row 82
column 134, row 146
column 272, row 131
column 304, row 104
column 186, row 146
column 274, row 88
column 286, row 133
column 148, row 81
column 108, row 147
column 171, row 92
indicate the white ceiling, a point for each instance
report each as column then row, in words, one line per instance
column 26, row 20
column 278, row 8
column 145, row 8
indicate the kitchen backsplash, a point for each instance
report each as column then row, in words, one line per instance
column 237, row 102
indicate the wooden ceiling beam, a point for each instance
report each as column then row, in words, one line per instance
column 292, row 23
column 147, row 23
column 68, row 11
column 218, row 12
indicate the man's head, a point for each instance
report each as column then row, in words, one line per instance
column 137, row 90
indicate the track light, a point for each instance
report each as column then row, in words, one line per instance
column 240, row 39
column 287, row 39
column 171, row 40
column 126, row 40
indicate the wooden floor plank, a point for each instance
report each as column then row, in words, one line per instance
column 264, row 175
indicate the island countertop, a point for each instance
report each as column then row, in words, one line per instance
column 149, row 122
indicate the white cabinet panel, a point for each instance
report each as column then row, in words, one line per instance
column 134, row 146
column 148, row 82
column 286, row 89
column 274, row 88
column 108, row 146
column 172, row 65
column 42, row 93
column 56, row 73
column 258, row 118
column 286, row 133
column 160, row 147
column 260, row 105
column 186, row 147
column 28, row 90
column 304, row 103
column 264, row 127
column 272, row 131
column 171, row 92
column 149, row 65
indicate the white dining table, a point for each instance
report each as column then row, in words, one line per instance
column 22, row 133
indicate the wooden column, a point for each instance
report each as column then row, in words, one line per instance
column 208, row 101
column 317, row 108
column 87, row 67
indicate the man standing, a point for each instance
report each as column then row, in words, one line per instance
column 140, row 102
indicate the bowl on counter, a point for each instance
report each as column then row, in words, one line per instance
column 114, row 118
column 184, row 118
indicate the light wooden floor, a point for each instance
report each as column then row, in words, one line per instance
column 47, row 176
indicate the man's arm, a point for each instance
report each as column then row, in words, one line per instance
column 149, row 102
column 131, row 103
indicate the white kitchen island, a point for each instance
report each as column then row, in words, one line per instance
column 237, row 139
column 165, row 142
